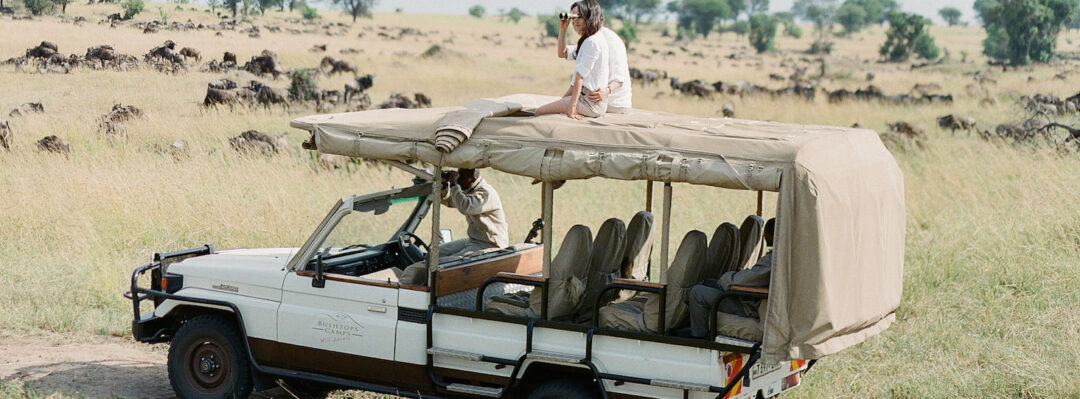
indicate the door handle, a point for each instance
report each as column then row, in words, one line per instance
column 376, row 309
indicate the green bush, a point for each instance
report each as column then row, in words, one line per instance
column 303, row 86
column 550, row 24
column 477, row 11
column 821, row 46
column 628, row 32
column 1023, row 31
column 792, row 30
column 908, row 34
column 37, row 7
column 851, row 17
column 310, row 13
column 132, row 8
column 762, row 32
column 924, row 46
column 740, row 28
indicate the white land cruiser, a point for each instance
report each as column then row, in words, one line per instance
column 366, row 304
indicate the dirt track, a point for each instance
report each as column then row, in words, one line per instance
column 92, row 367
column 96, row 367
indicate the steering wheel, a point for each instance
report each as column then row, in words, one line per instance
column 414, row 241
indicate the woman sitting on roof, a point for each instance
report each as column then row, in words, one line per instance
column 591, row 65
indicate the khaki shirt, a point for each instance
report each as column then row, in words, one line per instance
column 482, row 209
column 756, row 276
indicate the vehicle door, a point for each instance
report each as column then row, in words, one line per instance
column 346, row 325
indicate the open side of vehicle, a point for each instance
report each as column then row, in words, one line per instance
column 389, row 315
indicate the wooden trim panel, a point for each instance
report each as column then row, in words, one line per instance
column 637, row 283
column 462, row 278
column 743, row 288
column 526, row 277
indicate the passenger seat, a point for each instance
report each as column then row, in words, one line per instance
column 686, row 270
column 566, row 282
column 639, row 241
column 607, row 254
column 723, row 252
column 749, row 238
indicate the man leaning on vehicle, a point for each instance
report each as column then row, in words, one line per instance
column 471, row 195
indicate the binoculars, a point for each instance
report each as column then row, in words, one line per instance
column 446, row 174
column 566, row 16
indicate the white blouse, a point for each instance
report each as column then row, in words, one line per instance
column 591, row 62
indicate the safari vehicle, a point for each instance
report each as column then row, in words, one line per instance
column 382, row 312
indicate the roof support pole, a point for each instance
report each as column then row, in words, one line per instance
column 648, row 208
column 545, row 234
column 436, row 236
column 665, row 234
column 648, row 196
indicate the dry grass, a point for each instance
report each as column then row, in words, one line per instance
column 993, row 230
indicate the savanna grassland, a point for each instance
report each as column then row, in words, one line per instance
column 992, row 276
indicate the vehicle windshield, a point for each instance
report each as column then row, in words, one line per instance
column 370, row 225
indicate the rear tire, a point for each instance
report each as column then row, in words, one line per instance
column 207, row 360
column 564, row 389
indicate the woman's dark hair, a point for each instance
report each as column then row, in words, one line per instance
column 588, row 10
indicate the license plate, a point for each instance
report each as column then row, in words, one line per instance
column 761, row 369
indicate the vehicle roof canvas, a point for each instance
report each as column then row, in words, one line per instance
column 839, row 241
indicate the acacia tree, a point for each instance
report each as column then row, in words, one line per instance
column 762, row 32
column 951, row 15
column 357, row 8
column 1023, row 31
column 758, row 6
column 907, row 35
column 477, row 11
column 699, row 16
column 63, row 5
column 851, row 17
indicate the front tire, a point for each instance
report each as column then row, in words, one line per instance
column 563, row 389
column 207, row 360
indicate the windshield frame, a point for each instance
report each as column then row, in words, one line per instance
column 364, row 203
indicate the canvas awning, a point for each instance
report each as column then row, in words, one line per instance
column 839, row 245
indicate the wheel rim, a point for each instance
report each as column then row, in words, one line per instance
column 208, row 366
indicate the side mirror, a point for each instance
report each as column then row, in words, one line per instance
column 319, row 281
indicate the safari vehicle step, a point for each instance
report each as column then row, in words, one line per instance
column 689, row 386
column 554, row 357
column 476, row 357
column 475, row 390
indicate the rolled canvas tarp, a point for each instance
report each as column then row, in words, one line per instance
column 838, row 260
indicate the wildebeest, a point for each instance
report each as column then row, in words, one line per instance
column 165, row 52
column 264, row 63
column 728, row 110
column 422, row 100
column 317, row 48
column 26, row 109
column 253, row 140
column 397, row 100
column 337, row 66
column 53, row 144
column 122, row 113
column 695, row 87
column 103, row 53
column 267, row 95
column 907, row 129
column 222, row 84
column 231, row 97
column 954, row 122
column 189, row 52
column 5, row 135
column 229, row 57
column 43, row 50
column 924, row 88
column 358, row 85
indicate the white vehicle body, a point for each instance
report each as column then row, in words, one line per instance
column 367, row 333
